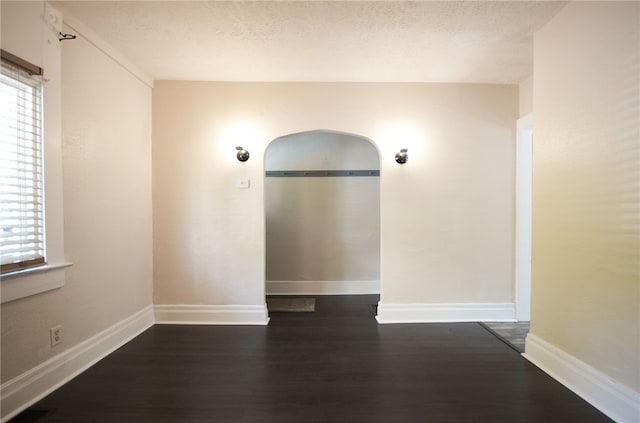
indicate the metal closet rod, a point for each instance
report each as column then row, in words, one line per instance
column 319, row 173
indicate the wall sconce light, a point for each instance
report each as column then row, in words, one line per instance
column 243, row 155
column 402, row 156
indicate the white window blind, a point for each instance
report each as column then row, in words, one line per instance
column 21, row 167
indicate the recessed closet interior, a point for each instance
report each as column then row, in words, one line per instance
column 322, row 207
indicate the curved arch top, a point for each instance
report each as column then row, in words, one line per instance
column 322, row 150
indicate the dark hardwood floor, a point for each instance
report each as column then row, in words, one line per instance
column 334, row 365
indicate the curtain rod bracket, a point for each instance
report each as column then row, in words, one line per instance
column 63, row 37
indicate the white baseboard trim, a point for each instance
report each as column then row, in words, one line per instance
column 185, row 314
column 446, row 312
column 620, row 403
column 323, row 287
column 31, row 386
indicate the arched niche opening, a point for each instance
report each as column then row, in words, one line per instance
column 322, row 210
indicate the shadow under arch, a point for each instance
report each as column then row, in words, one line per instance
column 322, row 234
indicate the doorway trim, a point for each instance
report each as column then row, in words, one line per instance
column 524, row 191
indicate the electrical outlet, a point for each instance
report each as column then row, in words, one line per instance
column 56, row 335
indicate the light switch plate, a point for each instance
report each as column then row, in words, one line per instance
column 243, row 183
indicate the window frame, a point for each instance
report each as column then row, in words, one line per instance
column 23, row 77
column 36, row 280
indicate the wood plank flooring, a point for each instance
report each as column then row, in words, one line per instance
column 333, row 365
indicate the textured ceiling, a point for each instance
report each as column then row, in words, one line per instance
column 477, row 41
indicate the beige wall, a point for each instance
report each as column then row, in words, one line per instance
column 586, row 188
column 106, row 134
column 447, row 216
column 322, row 228
column 526, row 96
column 15, row 17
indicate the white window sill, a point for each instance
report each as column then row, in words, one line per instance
column 25, row 283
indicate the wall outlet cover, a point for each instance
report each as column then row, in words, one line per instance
column 56, row 335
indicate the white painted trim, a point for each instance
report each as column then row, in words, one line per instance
column 53, row 173
column 322, row 287
column 185, row 314
column 445, row 312
column 31, row 386
column 32, row 281
column 524, row 188
column 617, row 401
column 98, row 42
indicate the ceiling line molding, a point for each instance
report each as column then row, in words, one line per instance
column 75, row 25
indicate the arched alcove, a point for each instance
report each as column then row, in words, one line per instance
column 322, row 210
